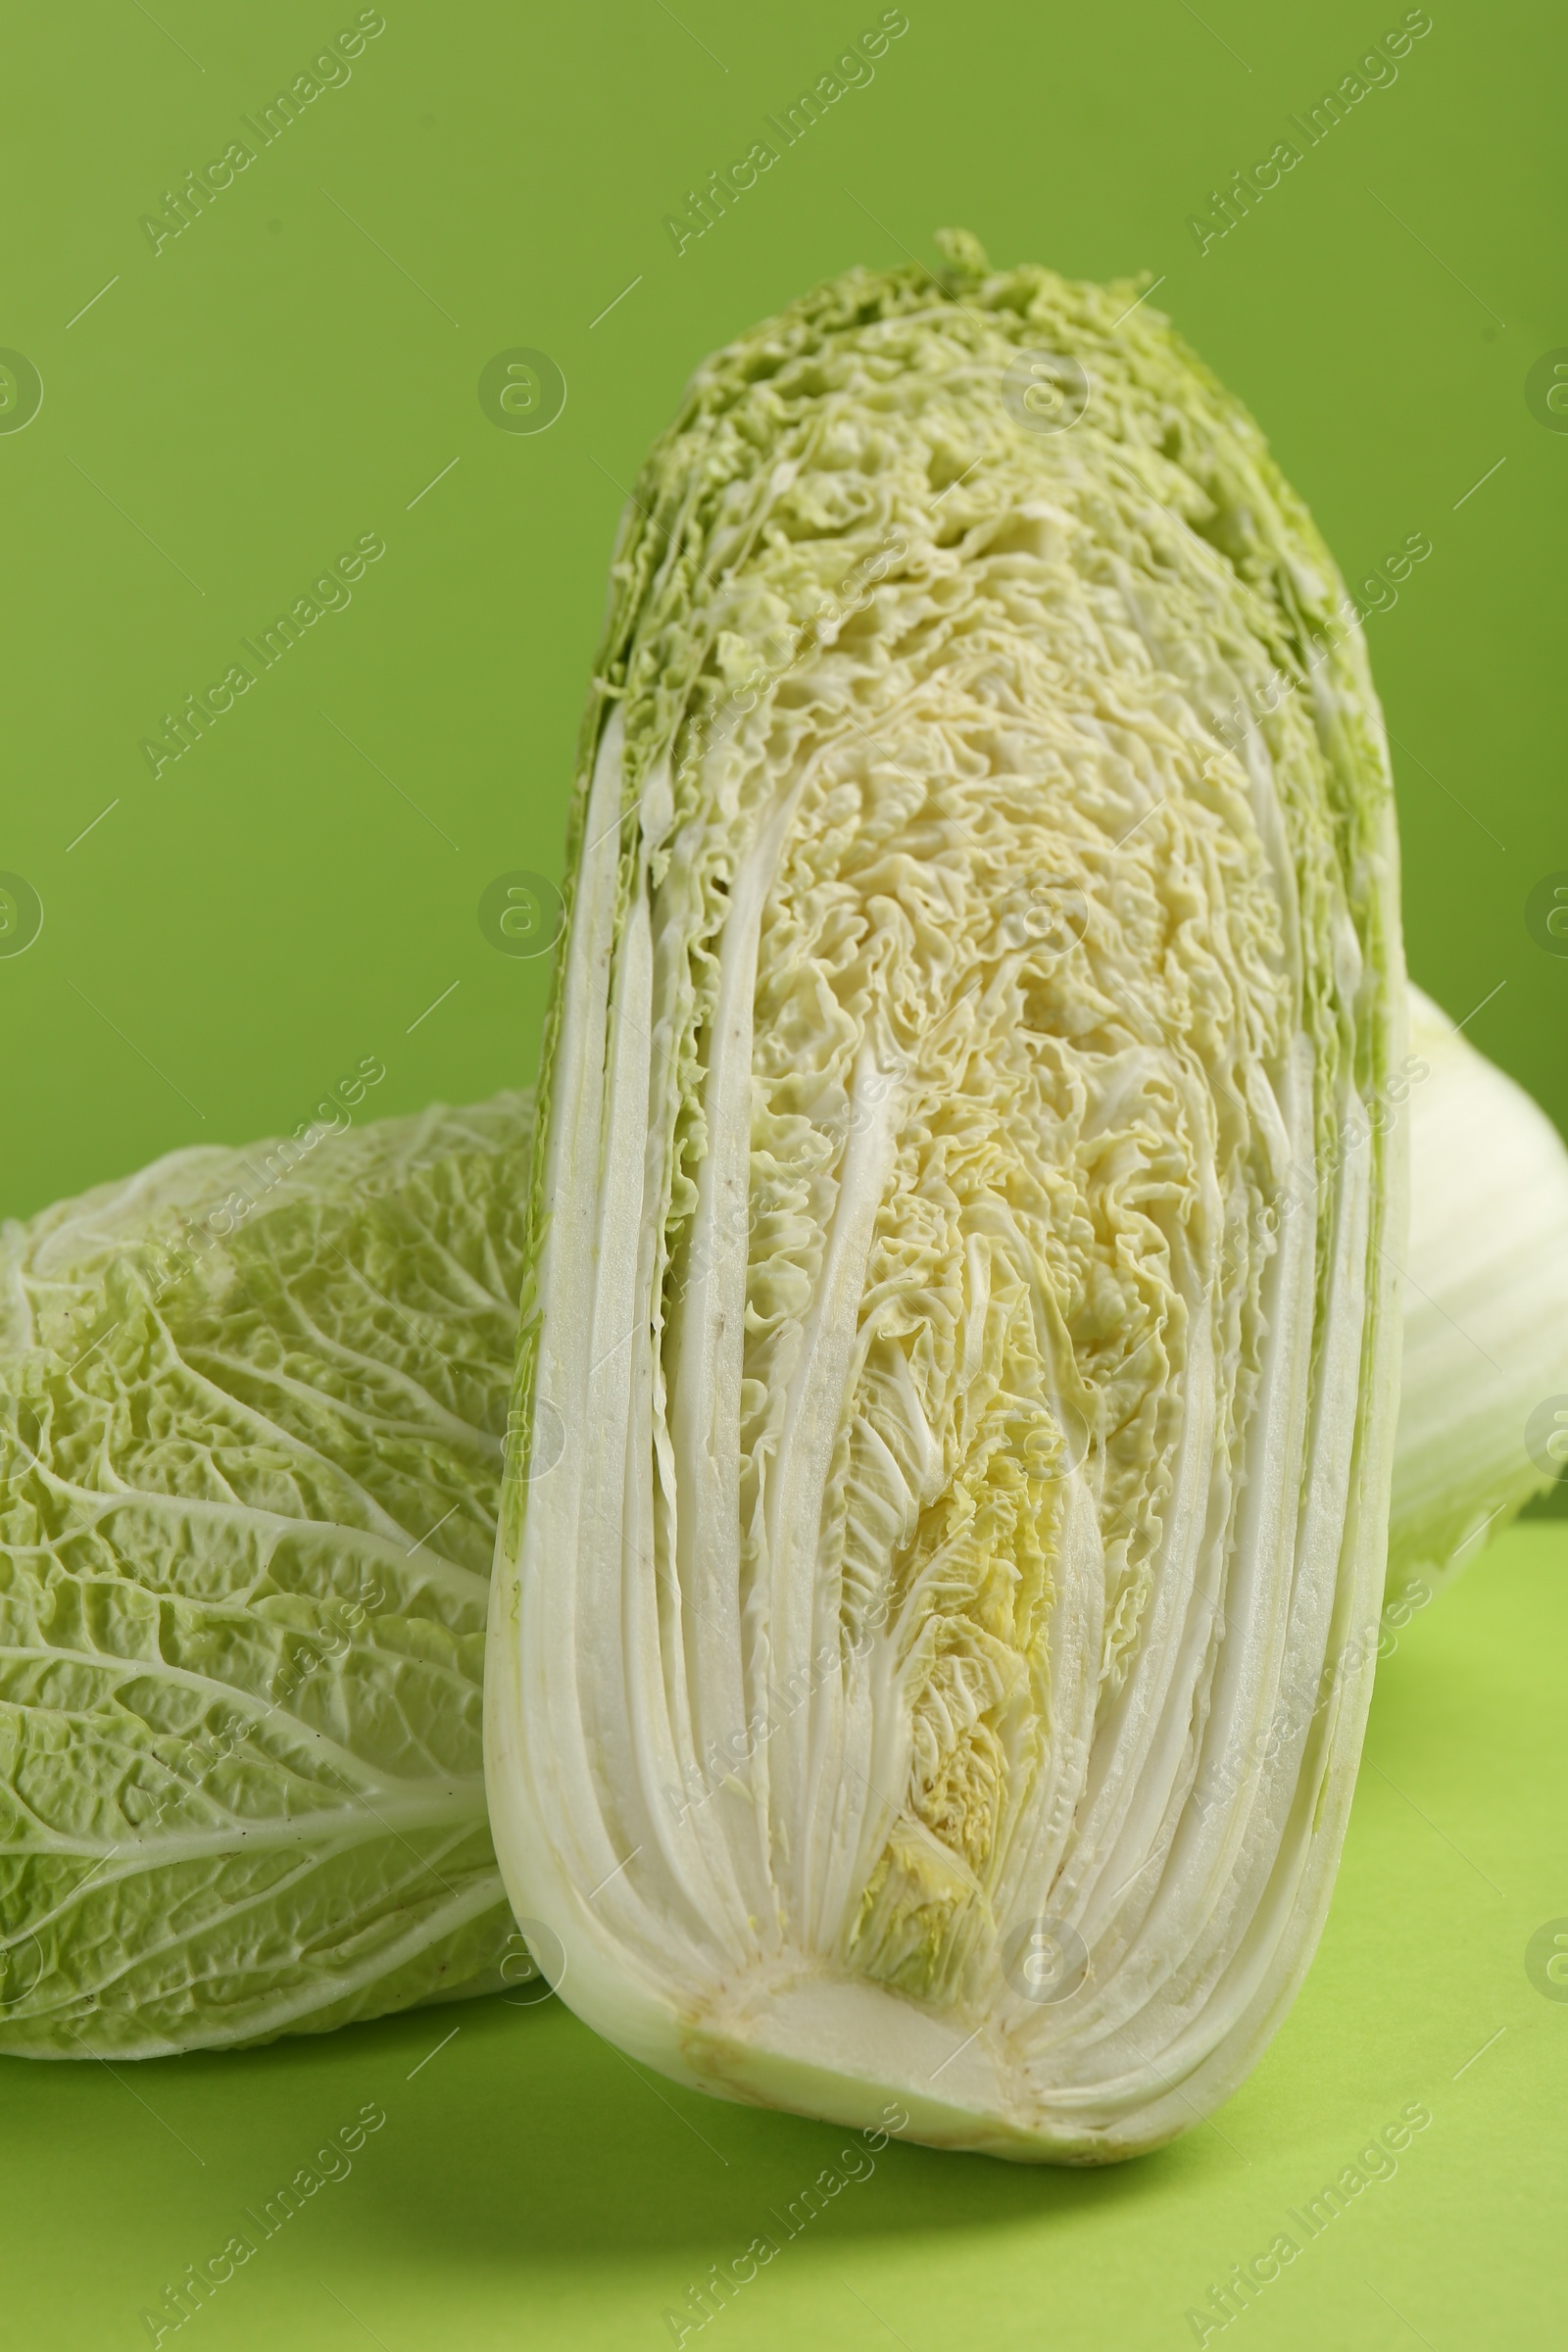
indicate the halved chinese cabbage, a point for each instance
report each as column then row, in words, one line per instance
column 985, row 897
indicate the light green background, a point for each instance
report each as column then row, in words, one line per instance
column 293, row 370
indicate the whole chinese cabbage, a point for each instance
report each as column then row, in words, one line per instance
column 251, row 1433
column 984, row 900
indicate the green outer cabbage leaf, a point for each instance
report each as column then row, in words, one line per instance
column 932, row 1679
column 251, row 1442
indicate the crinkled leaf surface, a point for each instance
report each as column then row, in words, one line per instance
column 250, row 1451
column 933, row 1672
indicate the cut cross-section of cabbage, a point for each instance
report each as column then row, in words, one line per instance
column 251, row 1434
column 933, row 1674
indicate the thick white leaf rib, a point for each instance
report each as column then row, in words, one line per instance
column 973, row 1480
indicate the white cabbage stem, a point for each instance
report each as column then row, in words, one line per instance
column 1484, row 1397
